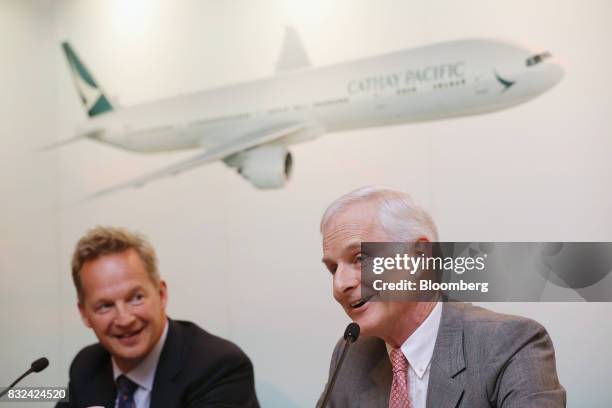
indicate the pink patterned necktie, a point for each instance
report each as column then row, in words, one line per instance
column 399, row 386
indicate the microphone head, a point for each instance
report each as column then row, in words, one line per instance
column 352, row 332
column 39, row 365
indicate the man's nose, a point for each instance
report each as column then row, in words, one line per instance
column 345, row 280
column 124, row 315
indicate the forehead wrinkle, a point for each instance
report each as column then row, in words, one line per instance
column 343, row 231
column 340, row 239
column 351, row 226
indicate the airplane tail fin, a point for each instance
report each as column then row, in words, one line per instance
column 91, row 94
column 293, row 54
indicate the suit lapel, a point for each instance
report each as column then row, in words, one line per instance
column 446, row 382
column 101, row 390
column 165, row 392
column 377, row 393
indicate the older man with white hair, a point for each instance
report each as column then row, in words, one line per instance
column 431, row 354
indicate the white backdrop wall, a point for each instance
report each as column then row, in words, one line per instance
column 30, row 302
column 245, row 264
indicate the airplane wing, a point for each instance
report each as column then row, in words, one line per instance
column 215, row 153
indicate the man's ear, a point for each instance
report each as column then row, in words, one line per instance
column 84, row 317
column 423, row 246
column 163, row 293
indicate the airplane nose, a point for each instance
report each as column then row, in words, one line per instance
column 555, row 72
column 545, row 76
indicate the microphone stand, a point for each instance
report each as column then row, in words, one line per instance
column 36, row 367
column 350, row 335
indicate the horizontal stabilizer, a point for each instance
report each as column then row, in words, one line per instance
column 60, row 143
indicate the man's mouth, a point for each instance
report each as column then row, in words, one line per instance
column 128, row 335
column 360, row 302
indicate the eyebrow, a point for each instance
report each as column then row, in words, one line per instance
column 349, row 248
column 131, row 292
column 100, row 302
column 134, row 290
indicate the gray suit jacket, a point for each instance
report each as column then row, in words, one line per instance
column 481, row 359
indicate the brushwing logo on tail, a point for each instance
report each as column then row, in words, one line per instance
column 89, row 94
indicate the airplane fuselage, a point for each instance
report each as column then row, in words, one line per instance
column 438, row 81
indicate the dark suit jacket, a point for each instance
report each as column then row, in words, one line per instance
column 195, row 369
column 480, row 359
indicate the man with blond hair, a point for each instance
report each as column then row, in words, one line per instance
column 425, row 354
column 143, row 358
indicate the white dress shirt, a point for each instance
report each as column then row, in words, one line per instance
column 143, row 374
column 418, row 349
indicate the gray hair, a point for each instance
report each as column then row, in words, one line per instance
column 399, row 216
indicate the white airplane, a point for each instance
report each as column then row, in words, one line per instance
column 250, row 125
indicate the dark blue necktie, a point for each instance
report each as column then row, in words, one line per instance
column 125, row 392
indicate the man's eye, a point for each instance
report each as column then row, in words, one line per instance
column 104, row 307
column 359, row 258
column 137, row 298
column 332, row 268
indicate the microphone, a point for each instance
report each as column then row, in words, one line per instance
column 351, row 333
column 39, row 365
column 36, row 367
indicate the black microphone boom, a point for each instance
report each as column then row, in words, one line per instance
column 351, row 333
column 36, row 367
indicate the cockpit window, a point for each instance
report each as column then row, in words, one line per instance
column 537, row 58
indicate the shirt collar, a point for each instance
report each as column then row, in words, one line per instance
column 419, row 346
column 144, row 373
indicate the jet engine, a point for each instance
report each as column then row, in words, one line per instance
column 266, row 167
